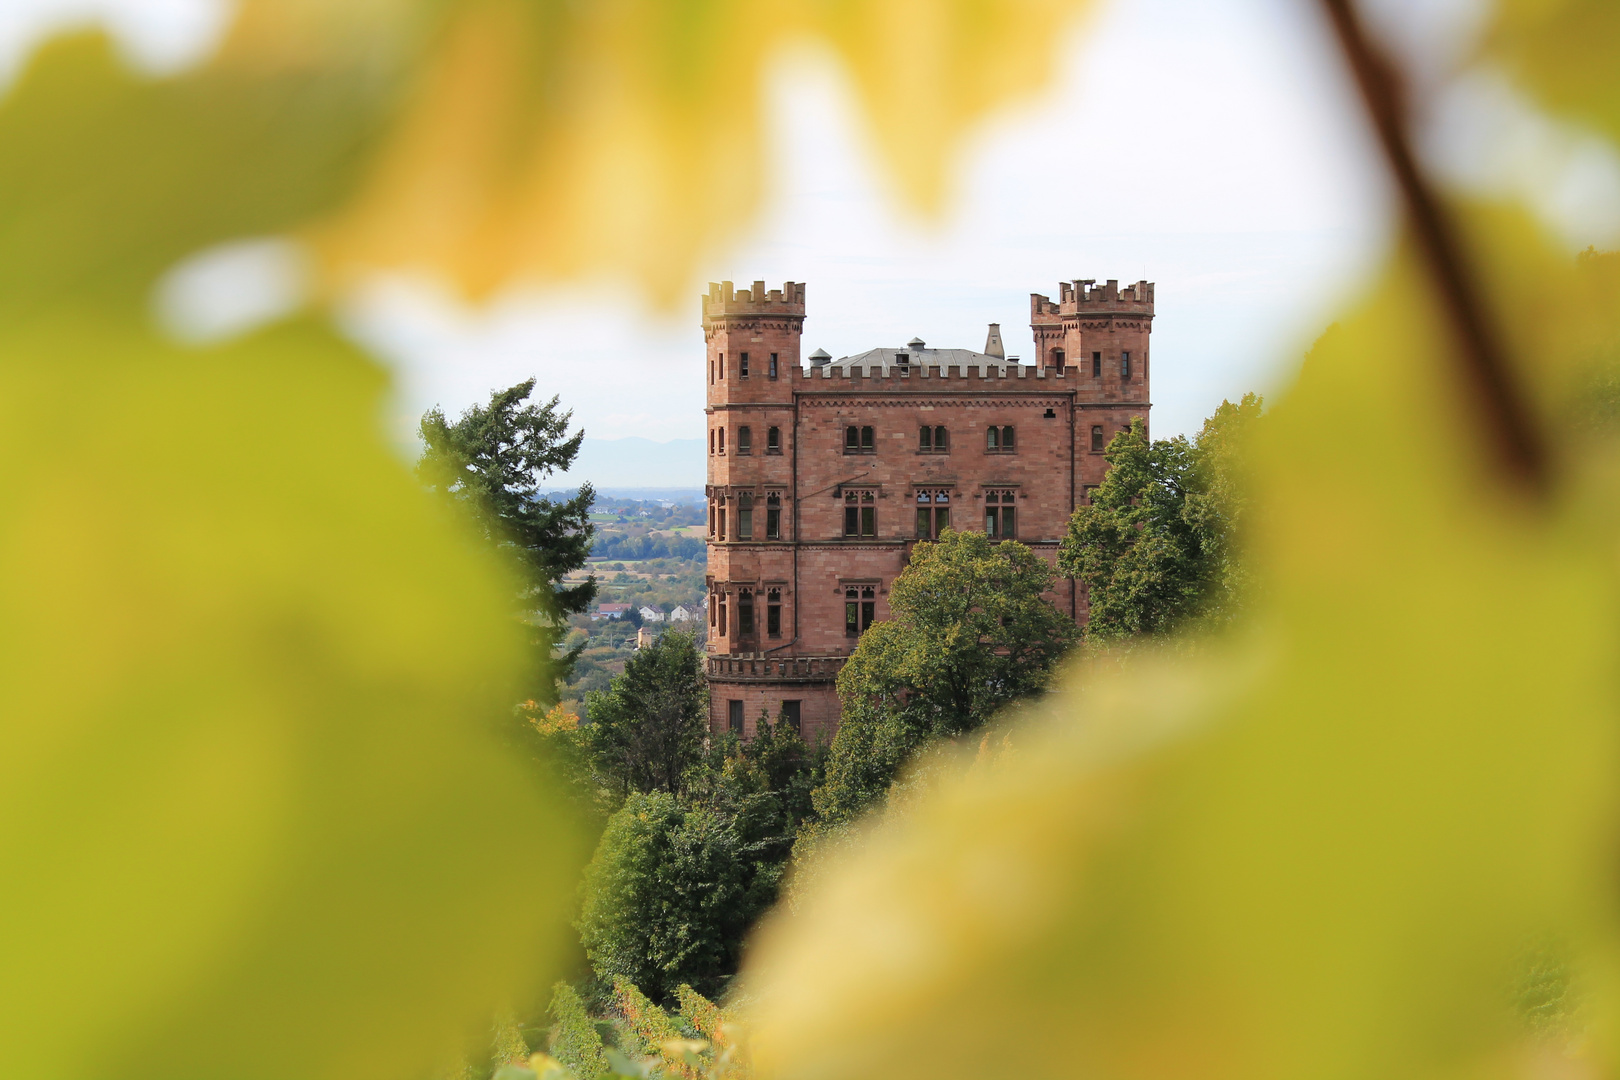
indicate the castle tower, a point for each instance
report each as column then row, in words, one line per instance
column 752, row 341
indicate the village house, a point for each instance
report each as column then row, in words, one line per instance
column 823, row 477
column 610, row 611
column 652, row 615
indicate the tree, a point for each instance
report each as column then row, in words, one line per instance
column 971, row 632
column 669, row 896
column 1156, row 548
column 648, row 728
column 491, row 461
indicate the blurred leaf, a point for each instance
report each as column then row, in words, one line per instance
column 1321, row 849
column 1563, row 52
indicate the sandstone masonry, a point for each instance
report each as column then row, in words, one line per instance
column 822, row 477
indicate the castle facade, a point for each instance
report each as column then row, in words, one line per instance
column 823, row 476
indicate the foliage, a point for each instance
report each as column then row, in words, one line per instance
column 647, row 730
column 574, row 1039
column 970, row 633
column 700, row 1014
column 620, row 546
column 1320, row 846
column 507, row 1045
column 668, row 896
column 1157, row 546
column 492, row 460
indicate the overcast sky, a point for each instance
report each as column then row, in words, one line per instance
column 1210, row 146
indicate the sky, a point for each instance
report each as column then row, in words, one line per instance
column 1213, row 147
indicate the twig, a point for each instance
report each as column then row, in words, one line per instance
column 1516, row 440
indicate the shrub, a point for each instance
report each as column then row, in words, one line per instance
column 574, row 1039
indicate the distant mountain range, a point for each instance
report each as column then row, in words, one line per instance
column 638, row 463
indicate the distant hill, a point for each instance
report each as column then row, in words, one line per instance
column 638, row 463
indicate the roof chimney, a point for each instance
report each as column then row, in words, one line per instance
column 992, row 344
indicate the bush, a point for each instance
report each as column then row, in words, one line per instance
column 574, row 1039
column 668, row 896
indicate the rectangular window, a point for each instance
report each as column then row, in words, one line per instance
column 745, row 614
column 773, row 365
column 773, row 613
column 933, row 514
column 868, row 440
column 1124, row 365
column 859, row 440
column 722, row 614
column 745, row 440
column 925, row 439
column 745, row 517
column 711, row 440
column 722, row 440
column 711, row 372
column 773, row 440
column 722, row 365
column 999, row 515
column 860, row 609
column 860, row 513
column 1096, row 365
column 742, row 365
column 791, row 717
column 773, row 517
column 999, row 440
column 722, row 524
column 734, row 716
column 1097, row 446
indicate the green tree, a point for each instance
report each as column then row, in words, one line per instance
column 492, row 460
column 647, row 730
column 971, row 631
column 1157, row 547
column 669, row 896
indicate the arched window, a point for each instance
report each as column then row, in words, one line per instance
column 745, row 440
column 773, row 517
column 868, row 440
column 745, row 516
column 860, row 609
column 1097, row 446
column 999, row 440
column 942, row 441
column 859, row 440
column 932, row 440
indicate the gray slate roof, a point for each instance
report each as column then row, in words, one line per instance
column 887, row 358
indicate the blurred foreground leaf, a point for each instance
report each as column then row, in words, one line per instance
column 1321, row 848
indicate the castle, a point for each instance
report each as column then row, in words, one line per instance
column 823, row 476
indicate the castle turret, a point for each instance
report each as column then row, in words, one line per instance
column 1099, row 332
column 752, row 340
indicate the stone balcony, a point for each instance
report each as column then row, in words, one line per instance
column 759, row 667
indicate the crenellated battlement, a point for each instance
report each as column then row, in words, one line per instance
column 1085, row 297
column 723, row 299
column 926, row 377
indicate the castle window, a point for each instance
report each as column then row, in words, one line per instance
column 745, row 613
column 773, row 440
column 860, row 513
column 790, row 716
column 860, row 609
column 722, row 614
column 1097, row 439
column 859, row 440
column 773, row 517
column 999, row 514
column 1057, row 358
column 734, row 717
column 713, row 607
column 773, row 366
column 773, row 613
column 933, row 514
column 711, row 441
column 721, row 529
column 722, row 365
column 745, row 440
column 1124, row 365
column 711, row 372
column 742, row 365
column 711, row 520
column 932, row 440
column 999, row 440
column 745, row 517
column 722, row 432
column 1096, row 365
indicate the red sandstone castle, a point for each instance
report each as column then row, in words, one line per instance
column 823, row 477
